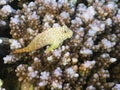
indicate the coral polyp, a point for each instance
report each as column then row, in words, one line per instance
column 81, row 36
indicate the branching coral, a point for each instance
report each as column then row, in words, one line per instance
column 81, row 62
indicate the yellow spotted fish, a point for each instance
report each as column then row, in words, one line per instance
column 53, row 37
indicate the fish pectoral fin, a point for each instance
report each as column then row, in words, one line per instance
column 52, row 47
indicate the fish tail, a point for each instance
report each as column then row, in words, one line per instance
column 22, row 50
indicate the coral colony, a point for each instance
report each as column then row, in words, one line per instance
column 81, row 62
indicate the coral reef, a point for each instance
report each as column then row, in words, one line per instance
column 1, row 83
column 89, row 60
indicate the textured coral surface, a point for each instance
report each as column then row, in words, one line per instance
column 89, row 60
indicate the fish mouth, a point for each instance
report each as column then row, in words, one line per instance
column 71, row 34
